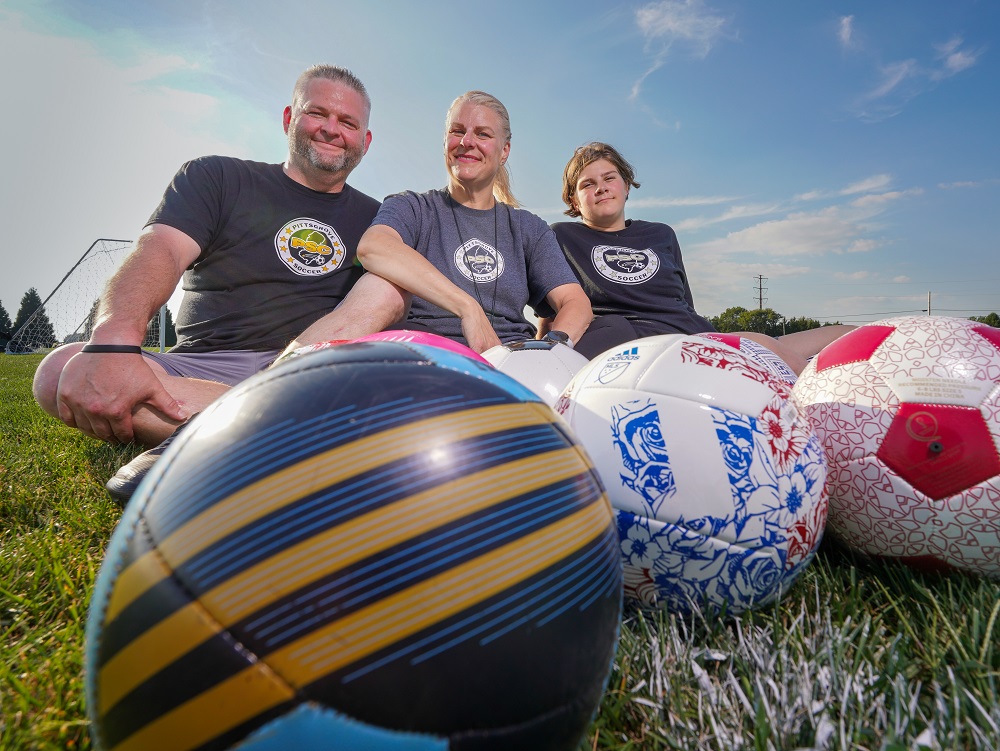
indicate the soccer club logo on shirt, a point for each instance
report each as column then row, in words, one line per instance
column 478, row 261
column 625, row 265
column 310, row 248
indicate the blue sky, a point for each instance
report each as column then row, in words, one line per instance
column 846, row 152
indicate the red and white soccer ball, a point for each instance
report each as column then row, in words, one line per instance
column 544, row 367
column 716, row 476
column 908, row 410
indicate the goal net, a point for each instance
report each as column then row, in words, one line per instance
column 67, row 314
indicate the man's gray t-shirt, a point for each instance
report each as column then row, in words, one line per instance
column 505, row 258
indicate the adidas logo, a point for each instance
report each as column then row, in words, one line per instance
column 627, row 355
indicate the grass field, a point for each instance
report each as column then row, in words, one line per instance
column 857, row 655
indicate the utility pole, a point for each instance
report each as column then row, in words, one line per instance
column 761, row 289
column 928, row 302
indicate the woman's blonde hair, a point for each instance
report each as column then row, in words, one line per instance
column 501, row 185
column 587, row 155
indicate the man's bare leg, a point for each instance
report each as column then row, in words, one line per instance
column 150, row 426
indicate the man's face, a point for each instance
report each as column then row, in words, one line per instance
column 327, row 128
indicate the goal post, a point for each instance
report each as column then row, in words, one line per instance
column 67, row 314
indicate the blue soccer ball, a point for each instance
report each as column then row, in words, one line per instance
column 376, row 546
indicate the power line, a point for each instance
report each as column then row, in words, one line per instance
column 761, row 289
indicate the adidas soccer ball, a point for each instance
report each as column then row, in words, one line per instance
column 544, row 367
column 756, row 352
column 717, row 478
column 368, row 547
column 908, row 410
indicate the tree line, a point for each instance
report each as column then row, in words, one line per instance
column 763, row 321
column 42, row 333
column 767, row 321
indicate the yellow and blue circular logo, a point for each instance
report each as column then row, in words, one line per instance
column 310, row 248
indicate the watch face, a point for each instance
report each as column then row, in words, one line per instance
column 530, row 344
column 557, row 336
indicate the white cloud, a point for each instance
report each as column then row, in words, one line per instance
column 876, row 200
column 666, row 202
column 100, row 140
column 845, row 31
column 892, row 76
column 868, row 184
column 851, row 276
column 953, row 59
column 901, row 81
column 875, row 182
column 863, row 245
column 837, row 229
column 969, row 184
column 681, row 21
column 670, row 23
column 811, row 195
column 799, row 234
column 744, row 211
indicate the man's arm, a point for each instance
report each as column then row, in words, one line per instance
column 371, row 305
column 98, row 393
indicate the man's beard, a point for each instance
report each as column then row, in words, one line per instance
column 346, row 161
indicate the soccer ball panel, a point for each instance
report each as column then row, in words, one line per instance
column 544, row 367
column 685, row 367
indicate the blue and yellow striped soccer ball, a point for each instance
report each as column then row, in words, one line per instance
column 377, row 546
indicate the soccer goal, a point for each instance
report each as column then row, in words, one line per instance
column 67, row 314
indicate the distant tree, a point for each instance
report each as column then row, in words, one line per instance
column 5, row 326
column 171, row 338
column 85, row 329
column 764, row 321
column 91, row 321
column 152, row 330
column 42, row 334
column 728, row 320
column 991, row 320
column 792, row 325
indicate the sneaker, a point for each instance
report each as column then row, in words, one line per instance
column 125, row 481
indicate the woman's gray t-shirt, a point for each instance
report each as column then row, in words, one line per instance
column 505, row 258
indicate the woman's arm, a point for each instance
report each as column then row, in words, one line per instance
column 383, row 252
column 573, row 311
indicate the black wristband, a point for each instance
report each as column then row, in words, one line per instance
column 123, row 349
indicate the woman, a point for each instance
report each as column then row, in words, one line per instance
column 633, row 270
column 472, row 259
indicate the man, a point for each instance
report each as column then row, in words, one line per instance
column 265, row 250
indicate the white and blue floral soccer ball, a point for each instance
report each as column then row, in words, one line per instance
column 716, row 475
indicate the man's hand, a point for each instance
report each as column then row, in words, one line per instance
column 98, row 394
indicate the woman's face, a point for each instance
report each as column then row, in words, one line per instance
column 600, row 195
column 475, row 145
